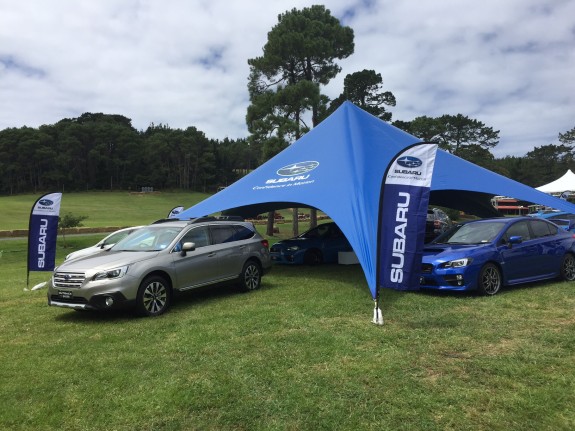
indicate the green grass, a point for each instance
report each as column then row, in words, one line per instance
column 113, row 209
column 299, row 354
column 102, row 208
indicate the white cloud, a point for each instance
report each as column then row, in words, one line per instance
column 182, row 63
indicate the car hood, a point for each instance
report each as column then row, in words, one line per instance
column 106, row 260
column 88, row 251
column 434, row 252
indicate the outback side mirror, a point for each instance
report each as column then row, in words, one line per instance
column 188, row 246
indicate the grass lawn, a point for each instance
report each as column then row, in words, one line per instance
column 299, row 354
column 102, row 208
column 108, row 208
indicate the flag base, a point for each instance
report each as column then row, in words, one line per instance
column 377, row 316
column 40, row 286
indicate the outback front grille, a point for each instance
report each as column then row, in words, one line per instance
column 69, row 279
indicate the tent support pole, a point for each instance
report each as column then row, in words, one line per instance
column 377, row 315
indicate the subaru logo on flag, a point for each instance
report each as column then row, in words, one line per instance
column 297, row 168
column 409, row 162
column 45, row 202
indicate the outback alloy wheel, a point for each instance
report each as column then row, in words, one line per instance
column 251, row 276
column 154, row 296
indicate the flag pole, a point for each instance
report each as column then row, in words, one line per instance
column 28, row 245
column 403, row 202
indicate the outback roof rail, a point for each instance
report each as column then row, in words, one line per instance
column 231, row 218
column 193, row 220
column 202, row 219
column 164, row 220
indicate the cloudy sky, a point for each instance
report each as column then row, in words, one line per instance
column 507, row 63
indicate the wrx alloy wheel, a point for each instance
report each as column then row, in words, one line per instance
column 489, row 282
column 568, row 267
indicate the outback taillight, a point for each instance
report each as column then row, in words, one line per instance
column 265, row 243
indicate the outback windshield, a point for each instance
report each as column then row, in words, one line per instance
column 472, row 233
column 151, row 238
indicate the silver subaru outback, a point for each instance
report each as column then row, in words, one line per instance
column 146, row 268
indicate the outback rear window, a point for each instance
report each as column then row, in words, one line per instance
column 242, row 233
column 225, row 234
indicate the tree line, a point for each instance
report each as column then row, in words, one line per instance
column 105, row 152
column 98, row 151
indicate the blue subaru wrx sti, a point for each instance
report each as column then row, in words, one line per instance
column 485, row 255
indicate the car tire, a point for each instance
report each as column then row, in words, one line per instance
column 568, row 267
column 490, row 281
column 312, row 257
column 154, row 296
column 251, row 276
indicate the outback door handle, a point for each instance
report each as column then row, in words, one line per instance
column 212, row 254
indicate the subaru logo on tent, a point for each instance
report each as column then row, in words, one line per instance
column 45, row 202
column 297, row 168
column 409, row 162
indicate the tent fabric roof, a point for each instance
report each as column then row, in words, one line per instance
column 338, row 168
column 560, row 185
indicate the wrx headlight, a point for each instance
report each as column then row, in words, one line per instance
column 457, row 263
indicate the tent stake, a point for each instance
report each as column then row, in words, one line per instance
column 377, row 315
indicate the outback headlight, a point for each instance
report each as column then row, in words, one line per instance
column 457, row 263
column 293, row 248
column 111, row 273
